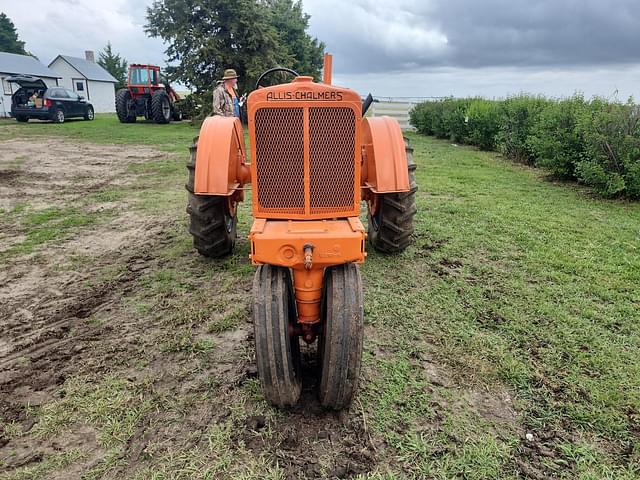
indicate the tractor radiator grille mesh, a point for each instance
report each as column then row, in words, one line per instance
column 280, row 161
column 331, row 159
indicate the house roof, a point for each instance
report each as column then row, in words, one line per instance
column 89, row 70
column 25, row 65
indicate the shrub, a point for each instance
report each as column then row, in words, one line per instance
column 518, row 116
column 454, row 120
column 611, row 160
column 421, row 117
column 596, row 142
column 555, row 141
column 483, row 122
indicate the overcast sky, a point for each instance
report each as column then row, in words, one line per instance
column 404, row 47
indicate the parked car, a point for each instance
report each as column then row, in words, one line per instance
column 35, row 100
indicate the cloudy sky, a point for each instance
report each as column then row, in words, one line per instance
column 402, row 47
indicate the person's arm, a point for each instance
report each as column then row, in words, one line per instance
column 218, row 102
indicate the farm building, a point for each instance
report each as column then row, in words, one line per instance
column 85, row 77
column 14, row 64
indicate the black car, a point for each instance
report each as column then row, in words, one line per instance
column 35, row 100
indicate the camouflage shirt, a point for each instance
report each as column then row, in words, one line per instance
column 222, row 101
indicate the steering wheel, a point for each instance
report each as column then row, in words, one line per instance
column 274, row 70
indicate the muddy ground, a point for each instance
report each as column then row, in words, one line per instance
column 82, row 308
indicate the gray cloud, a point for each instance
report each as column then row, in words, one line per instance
column 376, row 36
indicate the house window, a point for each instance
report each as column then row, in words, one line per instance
column 79, row 86
column 6, row 86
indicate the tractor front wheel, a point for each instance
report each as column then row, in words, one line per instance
column 277, row 352
column 212, row 218
column 123, row 106
column 160, row 107
column 340, row 347
column 391, row 214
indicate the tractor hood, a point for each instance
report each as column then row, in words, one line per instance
column 27, row 81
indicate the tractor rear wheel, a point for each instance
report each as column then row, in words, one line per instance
column 160, row 107
column 391, row 224
column 340, row 347
column 277, row 352
column 212, row 219
column 123, row 104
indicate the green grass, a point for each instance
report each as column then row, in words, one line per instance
column 49, row 463
column 49, row 224
column 518, row 282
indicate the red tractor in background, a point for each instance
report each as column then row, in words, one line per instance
column 147, row 93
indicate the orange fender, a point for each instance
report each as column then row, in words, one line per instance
column 221, row 156
column 385, row 159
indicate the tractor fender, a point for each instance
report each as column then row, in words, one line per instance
column 220, row 158
column 384, row 166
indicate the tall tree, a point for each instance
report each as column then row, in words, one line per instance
column 9, row 41
column 206, row 36
column 114, row 64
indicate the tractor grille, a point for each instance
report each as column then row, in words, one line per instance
column 280, row 161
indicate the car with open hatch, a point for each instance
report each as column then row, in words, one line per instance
column 34, row 99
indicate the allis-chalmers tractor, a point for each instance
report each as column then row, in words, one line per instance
column 314, row 158
column 148, row 94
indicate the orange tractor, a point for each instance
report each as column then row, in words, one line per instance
column 147, row 93
column 314, row 159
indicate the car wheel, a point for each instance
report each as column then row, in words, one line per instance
column 58, row 116
column 89, row 115
column 20, row 118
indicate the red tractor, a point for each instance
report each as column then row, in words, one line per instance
column 148, row 93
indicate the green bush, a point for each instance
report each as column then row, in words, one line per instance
column 596, row 142
column 555, row 141
column 421, row 117
column 483, row 123
column 454, row 120
column 518, row 116
column 440, row 112
column 611, row 160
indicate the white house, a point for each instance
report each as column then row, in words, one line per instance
column 13, row 64
column 87, row 78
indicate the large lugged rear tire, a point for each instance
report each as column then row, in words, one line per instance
column 277, row 352
column 391, row 227
column 123, row 99
column 340, row 346
column 160, row 107
column 211, row 224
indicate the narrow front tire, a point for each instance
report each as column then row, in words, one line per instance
column 277, row 351
column 340, row 347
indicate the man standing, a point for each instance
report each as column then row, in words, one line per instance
column 225, row 99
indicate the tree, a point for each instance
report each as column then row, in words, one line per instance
column 206, row 36
column 9, row 41
column 114, row 64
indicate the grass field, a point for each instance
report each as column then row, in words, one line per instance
column 504, row 343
